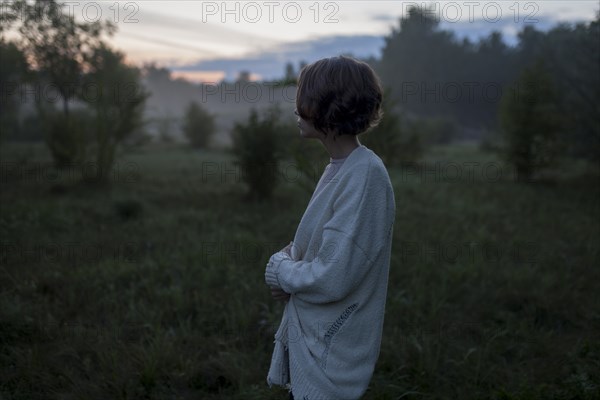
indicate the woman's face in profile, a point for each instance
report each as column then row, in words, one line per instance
column 307, row 130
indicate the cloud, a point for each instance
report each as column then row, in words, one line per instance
column 184, row 38
column 198, row 30
column 384, row 17
column 270, row 64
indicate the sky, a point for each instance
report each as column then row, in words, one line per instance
column 212, row 40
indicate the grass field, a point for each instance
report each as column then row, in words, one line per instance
column 153, row 287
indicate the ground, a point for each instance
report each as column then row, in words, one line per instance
column 153, row 286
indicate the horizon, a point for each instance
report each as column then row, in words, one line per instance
column 360, row 30
column 202, row 41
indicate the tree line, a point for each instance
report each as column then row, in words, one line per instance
column 541, row 97
column 533, row 103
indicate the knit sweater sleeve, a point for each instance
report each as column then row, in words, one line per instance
column 351, row 240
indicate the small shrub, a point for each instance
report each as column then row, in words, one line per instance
column 257, row 147
column 139, row 138
column 165, row 129
column 309, row 158
column 128, row 209
column 531, row 122
column 491, row 142
column 31, row 129
column 391, row 140
column 434, row 131
column 68, row 136
column 198, row 125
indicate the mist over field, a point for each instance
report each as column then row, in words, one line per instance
column 228, row 102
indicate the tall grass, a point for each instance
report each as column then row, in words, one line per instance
column 153, row 288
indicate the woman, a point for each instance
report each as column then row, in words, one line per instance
column 334, row 274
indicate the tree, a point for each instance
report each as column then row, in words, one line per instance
column 243, row 77
column 58, row 45
column 198, row 125
column 156, row 74
column 572, row 54
column 13, row 72
column 290, row 75
column 59, row 48
column 165, row 125
column 417, row 58
column 118, row 104
column 433, row 74
column 531, row 122
column 301, row 65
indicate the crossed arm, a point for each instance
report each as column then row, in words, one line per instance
column 278, row 293
column 350, row 241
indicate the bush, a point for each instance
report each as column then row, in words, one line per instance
column 165, row 127
column 531, row 122
column 9, row 124
column 68, row 136
column 434, row 131
column 491, row 142
column 128, row 209
column 391, row 140
column 257, row 147
column 198, row 125
column 13, row 72
column 309, row 158
column 138, row 138
column 31, row 129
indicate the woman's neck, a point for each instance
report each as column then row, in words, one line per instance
column 342, row 146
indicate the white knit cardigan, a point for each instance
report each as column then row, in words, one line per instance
column 337, row 276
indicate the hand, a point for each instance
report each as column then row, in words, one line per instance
column 279, row 295
column 288, row 249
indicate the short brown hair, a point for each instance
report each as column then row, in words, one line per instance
column 339, row 94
